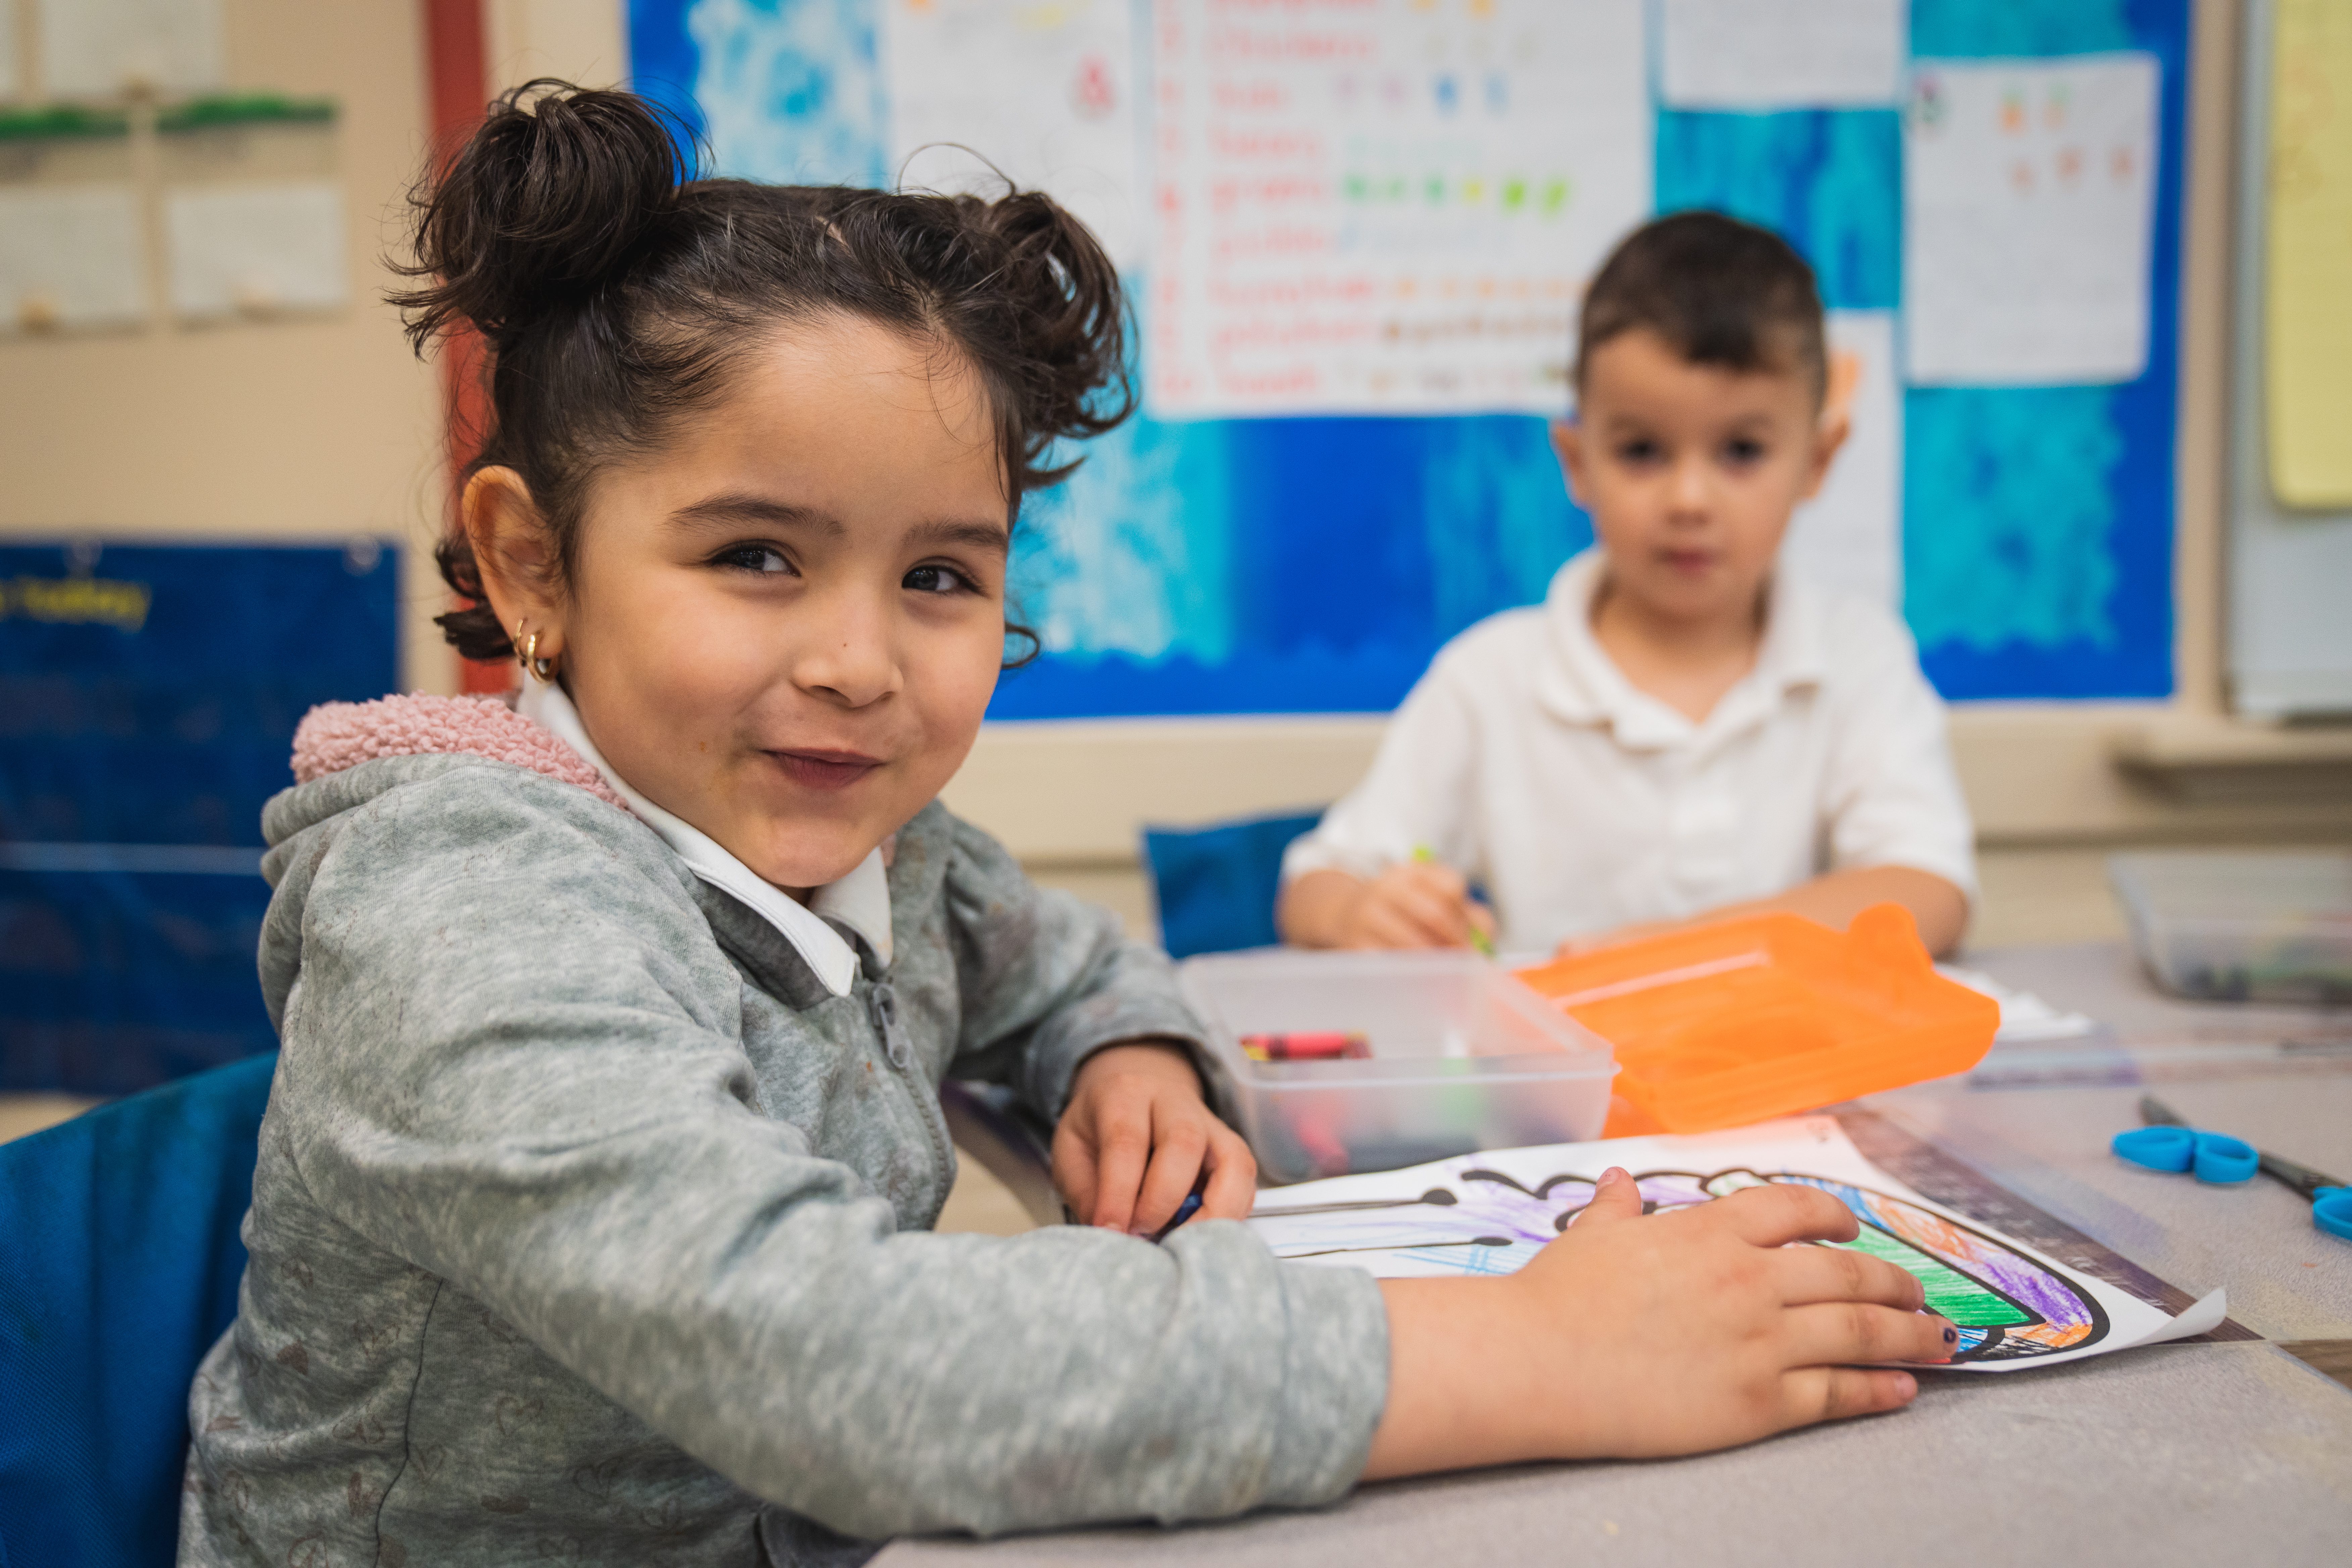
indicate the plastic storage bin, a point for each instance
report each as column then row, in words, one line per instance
column 2273, row 926
column 1743, row 1020
column 1463, row 1058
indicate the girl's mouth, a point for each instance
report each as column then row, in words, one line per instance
column 825, row 770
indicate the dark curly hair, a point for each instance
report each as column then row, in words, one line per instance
column 615, row 292
column 1723, row 293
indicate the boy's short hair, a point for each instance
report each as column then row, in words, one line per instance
column 1723, row 293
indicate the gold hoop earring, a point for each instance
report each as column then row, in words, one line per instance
column 542, row 670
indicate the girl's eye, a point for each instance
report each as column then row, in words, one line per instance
column 935, row 580
column 1638, row 452
column 763, row 559
column 1744, row 450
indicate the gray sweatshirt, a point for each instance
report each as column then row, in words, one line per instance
column 589, row 1227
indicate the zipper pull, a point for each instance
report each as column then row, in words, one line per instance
column 882, row 1006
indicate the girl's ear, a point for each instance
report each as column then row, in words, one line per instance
column 1567, row 440
column 515, row 555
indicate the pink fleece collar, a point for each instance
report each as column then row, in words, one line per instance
column 338, row 735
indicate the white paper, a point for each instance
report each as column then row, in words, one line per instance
column 258, row 249
column 1491, row 1213
column 1850, row 537
column 69, row 257
column 2029, row 191
column 1781, row 53
column 2025, row 1018
column 1045, row 92
column 98, row 48
column 1383, row 207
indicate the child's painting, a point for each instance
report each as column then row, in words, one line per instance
column 1490, row 1213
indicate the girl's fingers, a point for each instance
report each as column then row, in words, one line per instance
column 1232, row 1191
column 1840, row 1333
column 1122, row 1148
column 1834, row 1393
column 1781, row 1213
column 1176, row 1153
column 1811, row 1274
column 1074, row 1170
column 1617, row 1197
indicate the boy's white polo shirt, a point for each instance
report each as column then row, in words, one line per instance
column 1525, row 759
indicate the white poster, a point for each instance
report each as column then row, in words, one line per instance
column 1044, row 92
column 69, row 257
column 98, row 49
column 256, row 250
column 1377, row 206
column 2029, row 193
column 1849, row 536
column 1781, row 53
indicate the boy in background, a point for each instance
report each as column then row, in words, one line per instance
column 1678, row 733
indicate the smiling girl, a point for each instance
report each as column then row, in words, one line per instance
column 591, row 1218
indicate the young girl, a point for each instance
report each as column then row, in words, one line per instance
column 590, row 1221
column 1678, row 731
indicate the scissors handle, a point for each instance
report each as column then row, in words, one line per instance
column 2331, row 1211
column 2213, row 1156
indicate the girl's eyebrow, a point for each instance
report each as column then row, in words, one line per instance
column 990, row 536
column 735, row 507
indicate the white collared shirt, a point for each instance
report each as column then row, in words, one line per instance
column 860, row 900
column 1526, row 760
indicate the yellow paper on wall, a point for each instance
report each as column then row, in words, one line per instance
column 2307, row 291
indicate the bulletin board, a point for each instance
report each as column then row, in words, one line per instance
column 148, row 698
column 1344, row 461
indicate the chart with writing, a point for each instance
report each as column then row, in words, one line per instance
column 1384, row 206
column 2029, row 189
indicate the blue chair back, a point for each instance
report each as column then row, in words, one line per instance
column 119, row 1261
column 1215, row 886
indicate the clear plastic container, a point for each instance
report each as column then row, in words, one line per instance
column 1463, row 1057
column 2234, row 926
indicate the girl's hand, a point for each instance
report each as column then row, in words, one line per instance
column 1135, row 1137
column 1636, row 1338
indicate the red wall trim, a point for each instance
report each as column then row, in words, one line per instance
column 458, row 87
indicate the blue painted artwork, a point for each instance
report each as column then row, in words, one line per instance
column 1316, row 564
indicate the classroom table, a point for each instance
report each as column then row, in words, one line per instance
column 2231, row 1450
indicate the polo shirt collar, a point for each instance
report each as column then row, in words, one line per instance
column 1582, row 684
column 859, row 901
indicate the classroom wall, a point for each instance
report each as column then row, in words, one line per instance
column 317, row 427
column 2055, row 788
column 326, row 427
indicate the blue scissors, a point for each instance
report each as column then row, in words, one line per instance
column 2167, row 1143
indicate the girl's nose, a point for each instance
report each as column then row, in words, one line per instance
column 846, row 653
column 1690, row 487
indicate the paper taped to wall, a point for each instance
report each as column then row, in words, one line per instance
column 1781, row 53
column 1850, row 537
column 2028, row 191
column 256, row 249
column 96, row 48
column 69, row 257
column 1045, row 93
column 1491, row 1213
column 1376, row 206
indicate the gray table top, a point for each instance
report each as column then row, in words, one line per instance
column 2174, row 1453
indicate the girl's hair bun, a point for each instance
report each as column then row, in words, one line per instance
column 557, row 191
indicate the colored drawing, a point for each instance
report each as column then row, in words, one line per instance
column 2008, row 1305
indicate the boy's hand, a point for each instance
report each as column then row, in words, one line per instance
column 1636, row 1338
column 1136, row 1135
column 1419, row 903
